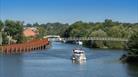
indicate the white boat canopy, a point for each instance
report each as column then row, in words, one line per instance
column 77, row 50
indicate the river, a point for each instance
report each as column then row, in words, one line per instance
column 56, row 62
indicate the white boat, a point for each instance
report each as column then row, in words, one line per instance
column 79, row 42
column 78, row 56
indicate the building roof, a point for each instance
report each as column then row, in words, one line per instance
column 29, row 32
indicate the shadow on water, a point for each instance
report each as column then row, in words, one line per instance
column 132, row 69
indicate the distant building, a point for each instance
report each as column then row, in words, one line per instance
column 30, row 31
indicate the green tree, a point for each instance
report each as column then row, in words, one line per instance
column 1, row 25
column 78, row 29
column 14, row 29
column 98, row 33
column 42, row 32
column 116, row 32
column 108, row 23
column 132, row 45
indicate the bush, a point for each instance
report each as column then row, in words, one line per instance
column 132, row 45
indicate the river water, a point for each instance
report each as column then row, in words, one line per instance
column 56, row 62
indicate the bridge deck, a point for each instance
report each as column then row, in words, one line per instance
column 96, row 38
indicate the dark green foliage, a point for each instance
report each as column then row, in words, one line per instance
column 12, row 29
column 1, row 25
column 50, row 28
column 132, row 45
column 132, row 48
column 108, row 23
column 108, row 28
column 42, row 32
column 78, row 29
column 5, row 39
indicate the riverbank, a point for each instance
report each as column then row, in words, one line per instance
column 105, row 45
column 29, row 46
column 129, row 58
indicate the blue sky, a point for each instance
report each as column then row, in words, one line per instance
column 69, row 11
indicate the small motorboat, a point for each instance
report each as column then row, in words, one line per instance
column 78, row 56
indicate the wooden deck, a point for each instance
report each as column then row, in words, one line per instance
column 24, row 47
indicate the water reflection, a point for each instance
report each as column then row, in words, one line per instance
column 132, row 69
column 78, row 61
column 56, row 62
column 11, row 66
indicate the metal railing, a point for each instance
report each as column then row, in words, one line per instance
column 95, row 38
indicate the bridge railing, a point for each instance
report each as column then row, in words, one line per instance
column 95, row 38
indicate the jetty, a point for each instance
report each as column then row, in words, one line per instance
column 38, row 44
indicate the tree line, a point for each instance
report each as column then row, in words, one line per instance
column 10, row 29
column 108, row 28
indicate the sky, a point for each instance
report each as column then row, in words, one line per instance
column 69, row 11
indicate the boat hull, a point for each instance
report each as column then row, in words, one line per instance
column 79, row 59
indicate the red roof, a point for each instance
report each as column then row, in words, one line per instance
column 29, row 32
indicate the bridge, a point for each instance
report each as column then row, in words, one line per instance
column 95, row 39
column 58, row 38
column 43, row 43
column 53, row 37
